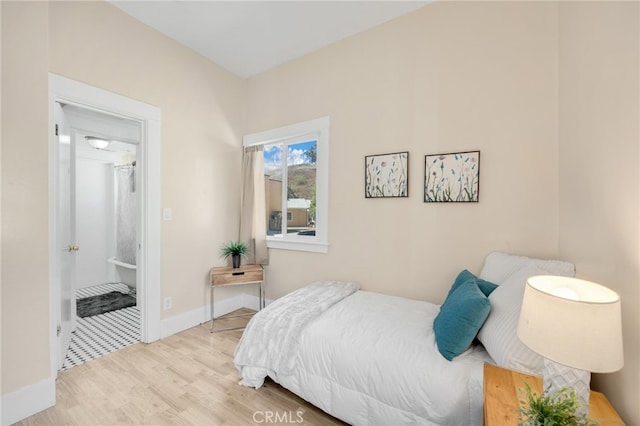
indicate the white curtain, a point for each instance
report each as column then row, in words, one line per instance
column 253, row 222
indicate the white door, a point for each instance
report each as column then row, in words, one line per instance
column 66, row 249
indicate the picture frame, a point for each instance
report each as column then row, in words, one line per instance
column 386, row 175
column 452, row 177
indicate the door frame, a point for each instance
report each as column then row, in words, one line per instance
column 67, row 91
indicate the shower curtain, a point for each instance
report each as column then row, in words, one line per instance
column 126, row 214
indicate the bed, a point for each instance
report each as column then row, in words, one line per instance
column 373, row 359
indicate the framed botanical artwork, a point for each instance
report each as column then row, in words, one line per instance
column 386, row 175
column 452, row 178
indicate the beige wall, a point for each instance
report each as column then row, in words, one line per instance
column 25, row 244
column 490, row 76
column 449, row 77
column 203, row 113
column 599, row 167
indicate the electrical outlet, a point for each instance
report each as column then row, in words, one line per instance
column 168, row 303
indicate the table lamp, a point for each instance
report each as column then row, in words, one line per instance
column 576, row 326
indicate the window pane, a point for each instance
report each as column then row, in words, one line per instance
column 273, row 188
column 296, row 167
column 301, row 188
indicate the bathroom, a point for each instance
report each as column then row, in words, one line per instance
column 105, row 220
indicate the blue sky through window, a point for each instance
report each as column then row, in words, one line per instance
column 273, row 155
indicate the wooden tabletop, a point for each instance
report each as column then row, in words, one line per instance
column 501, row 398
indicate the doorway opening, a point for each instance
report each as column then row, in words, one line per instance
column 104, row 226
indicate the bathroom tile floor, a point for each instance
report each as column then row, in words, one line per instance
column 102, row 334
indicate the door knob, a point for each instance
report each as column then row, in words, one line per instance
column 73, row 248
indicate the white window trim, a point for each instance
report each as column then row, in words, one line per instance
column 318, row 129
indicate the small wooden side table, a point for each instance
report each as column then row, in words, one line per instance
column 245, row 274
column 501, row 398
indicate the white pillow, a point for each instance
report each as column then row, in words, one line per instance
column 499, row 332
column 499, row 266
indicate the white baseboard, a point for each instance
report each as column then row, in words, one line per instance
column 186, row 320
column 27, row 401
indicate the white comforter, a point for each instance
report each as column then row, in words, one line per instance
column 270, row 340
column 371, row 359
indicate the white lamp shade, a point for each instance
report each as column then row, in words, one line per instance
column 573, row 322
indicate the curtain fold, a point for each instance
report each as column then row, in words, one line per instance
column 253, row 213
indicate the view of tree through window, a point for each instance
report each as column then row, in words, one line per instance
column 299, row 208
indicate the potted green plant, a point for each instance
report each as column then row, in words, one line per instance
column 558, row 409
column 235, row 249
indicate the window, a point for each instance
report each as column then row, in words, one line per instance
column 296, row 184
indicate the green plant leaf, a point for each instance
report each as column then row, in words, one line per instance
column 234, row 248
column 558, row 409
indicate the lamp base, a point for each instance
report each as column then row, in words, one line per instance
column 557, row 376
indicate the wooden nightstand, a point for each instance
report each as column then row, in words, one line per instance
column 501, row 398
column 224, row 276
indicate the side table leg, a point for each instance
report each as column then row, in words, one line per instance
column 212, row 314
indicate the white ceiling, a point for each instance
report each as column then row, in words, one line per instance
column 249, row 37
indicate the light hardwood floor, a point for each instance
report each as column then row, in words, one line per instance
column 185, row 379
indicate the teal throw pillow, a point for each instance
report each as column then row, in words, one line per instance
column 485, row 286
column 461, row 317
